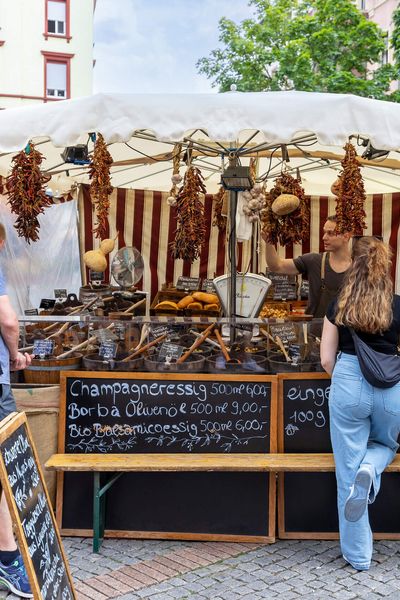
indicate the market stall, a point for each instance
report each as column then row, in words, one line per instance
column 153, row 137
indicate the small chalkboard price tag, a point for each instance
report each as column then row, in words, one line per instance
column 286, row 331
column 285, row 286
column 47, row 303
column 188, row 283
column 208, row 286
column 96, row 276
column 60, row 293
column 170, row 352
column 108, row 350
column 304, row 290
column 42, row 348
column 31, row 311
column 30, row 508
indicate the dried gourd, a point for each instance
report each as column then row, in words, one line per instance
column 107, row 245
column 285, row 204
column 95, row 260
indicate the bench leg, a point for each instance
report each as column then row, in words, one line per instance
column 98, row 513
column 99, row 507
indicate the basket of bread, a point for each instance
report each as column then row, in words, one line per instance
column 186, row 304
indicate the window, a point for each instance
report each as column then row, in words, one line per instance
column 57, row 18
column 56, row 79
column 385, row 53
column 57, row 75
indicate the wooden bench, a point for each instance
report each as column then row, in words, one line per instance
column 120, row 463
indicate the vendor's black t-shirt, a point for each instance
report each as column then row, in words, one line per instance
column 385, row 343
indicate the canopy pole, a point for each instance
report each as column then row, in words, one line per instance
column 233, row 199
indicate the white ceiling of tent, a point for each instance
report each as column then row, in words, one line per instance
column 142, row 129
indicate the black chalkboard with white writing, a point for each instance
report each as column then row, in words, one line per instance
column 171, row 413
column 36, row 528
column 304, row 427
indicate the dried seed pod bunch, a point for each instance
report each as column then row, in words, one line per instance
column 100, row 186
column 26, row 192
column 176, row 177
column 219, row 220
column 350, row 213
column 290, row 228
column 190, row 232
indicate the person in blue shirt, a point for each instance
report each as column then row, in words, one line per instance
column 12, row 571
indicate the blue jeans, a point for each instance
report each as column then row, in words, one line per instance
column 7, row 401
column 364, row 424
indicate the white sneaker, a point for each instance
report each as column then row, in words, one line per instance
column 357, row 501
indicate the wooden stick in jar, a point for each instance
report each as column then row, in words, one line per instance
column 305, row 333
column 196, row 343
column 282, row 348
column 144, row 348
column 222, row 345
column 208, row 341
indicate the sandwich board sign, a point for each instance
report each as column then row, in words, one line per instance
column 38, row 537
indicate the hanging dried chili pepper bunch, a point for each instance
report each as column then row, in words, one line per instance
column 176, row 177
column 286, row 228
column 350, row 213
column 26, row 192
column 190, row 232
column 219, row 220
column 100, row 187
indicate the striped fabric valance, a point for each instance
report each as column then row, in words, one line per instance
column 143, row 219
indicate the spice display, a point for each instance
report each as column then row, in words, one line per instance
column 285, row 228
column 219, row 220
column 190, row 232
column 26, row 193
column 100, row 186
column 350, row 213
column 176, row 176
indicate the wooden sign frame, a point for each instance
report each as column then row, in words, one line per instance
column 271, row 525
column 8, row 426
column 305, row 535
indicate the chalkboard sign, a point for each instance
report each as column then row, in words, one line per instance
column 96, row 276
column 285, row 286
column 108, row 349
column 208, row 286
column 60, row 293
column 285, row 331
column 43, row 347
column 170, row 413
column 47, row 303
column 169, row 352
column 188, row 283
column 30, row 508
column 31, row 311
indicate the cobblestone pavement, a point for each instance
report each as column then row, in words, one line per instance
column 288, row 569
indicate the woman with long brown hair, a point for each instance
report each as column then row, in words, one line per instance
column 364, row 420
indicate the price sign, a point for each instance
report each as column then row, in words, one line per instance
column 304, row 290
column 285, row 331
column 43, row 348
column 108, row 350
column 285, row 286
column 105, row 335
column 96, row 276
column 188, row 283
column 119, row 330
column 170, row 352
column 60, row 293
column 47, row 303
column 31, row 311
column 208, row 286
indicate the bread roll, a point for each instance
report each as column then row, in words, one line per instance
column 206, row 298
column 167, row 304
column 285, row 204
column 185, row 301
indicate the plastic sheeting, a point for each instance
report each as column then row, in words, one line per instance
column 33, row 271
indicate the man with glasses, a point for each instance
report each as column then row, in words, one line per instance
column 324, row 270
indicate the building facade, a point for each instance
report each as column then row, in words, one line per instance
column 380, row 12
column 46, row 50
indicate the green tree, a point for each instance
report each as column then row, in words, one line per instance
column 309, row 45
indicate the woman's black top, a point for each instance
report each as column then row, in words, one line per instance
column 385, row 342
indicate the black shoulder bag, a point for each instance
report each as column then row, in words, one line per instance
column 379, row 369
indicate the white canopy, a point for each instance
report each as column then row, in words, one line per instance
column 142, row 128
